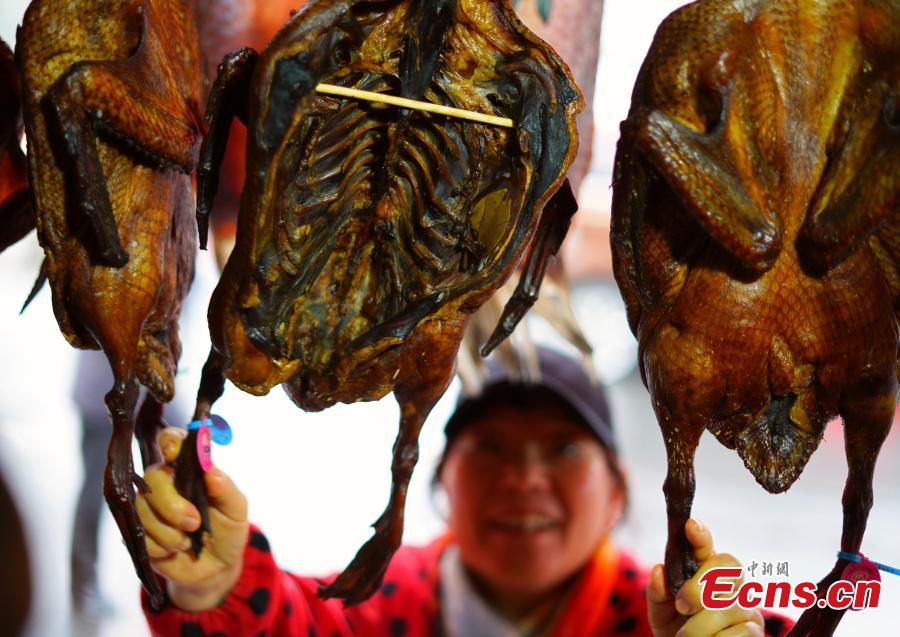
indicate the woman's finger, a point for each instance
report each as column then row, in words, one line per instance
column 169, row 441
column 657, row 591
column 156, row 551
column 701, row 539
column 164, row 535
column 224, row 495
column 688, row 597
column 228, row 538
column 167, row 503
column 748, row 629
column 185, row 569
column 166, row 565
column 661, row 613
column 734, row 622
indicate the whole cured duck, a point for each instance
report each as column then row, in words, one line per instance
column 756, row 242
column 367, row 234
column 111, row 95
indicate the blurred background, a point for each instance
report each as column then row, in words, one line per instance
column 316, row 481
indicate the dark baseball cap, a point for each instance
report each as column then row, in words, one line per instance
column 560, row 375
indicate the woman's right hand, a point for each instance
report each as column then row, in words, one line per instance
column 684, row 615
column 193, row 584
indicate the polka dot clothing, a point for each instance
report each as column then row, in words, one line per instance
column 267, row 601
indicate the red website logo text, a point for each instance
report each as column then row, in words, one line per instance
column 718, row 592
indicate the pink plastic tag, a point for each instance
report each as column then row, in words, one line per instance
column 204, row 447
column 861, row 571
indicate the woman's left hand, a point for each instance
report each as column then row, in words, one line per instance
column 684, row 615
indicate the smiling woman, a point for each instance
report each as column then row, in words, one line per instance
column 532, row 493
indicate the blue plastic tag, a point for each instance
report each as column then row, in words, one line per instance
column 859, row 558
column 221, row 432
column 219, row 429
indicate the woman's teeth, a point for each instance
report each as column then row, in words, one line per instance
column 526, row 523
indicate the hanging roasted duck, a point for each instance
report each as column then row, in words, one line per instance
column 756, row 243
column 111, row 94
column 368, row 234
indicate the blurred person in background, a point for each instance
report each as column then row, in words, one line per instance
column 533, row 486
column 16, row 586
column 93, row 379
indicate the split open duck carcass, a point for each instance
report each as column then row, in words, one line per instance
column 368, row 234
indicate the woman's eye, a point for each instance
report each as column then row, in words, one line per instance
column 488, row 446
column 566, row 450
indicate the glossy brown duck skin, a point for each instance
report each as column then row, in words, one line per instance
column 368, row 235
column 15, row 207
column 755, row 238
column 111, row 97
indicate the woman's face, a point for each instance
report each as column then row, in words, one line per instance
column 531, row 496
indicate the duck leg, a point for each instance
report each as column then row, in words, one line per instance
column 188, row 472
column 681, row 439
column 363, row 576
column 119, row 478
column 867, row 422
column 149, row 423
column 227, row 100
column 552, row 229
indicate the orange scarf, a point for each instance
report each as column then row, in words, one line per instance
column 586, row 609
column 587, row 606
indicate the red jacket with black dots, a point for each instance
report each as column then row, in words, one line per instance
column 267, row 601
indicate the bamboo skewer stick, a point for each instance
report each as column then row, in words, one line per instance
column 331, row 89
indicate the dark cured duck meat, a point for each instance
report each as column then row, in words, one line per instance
column 367, row 234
